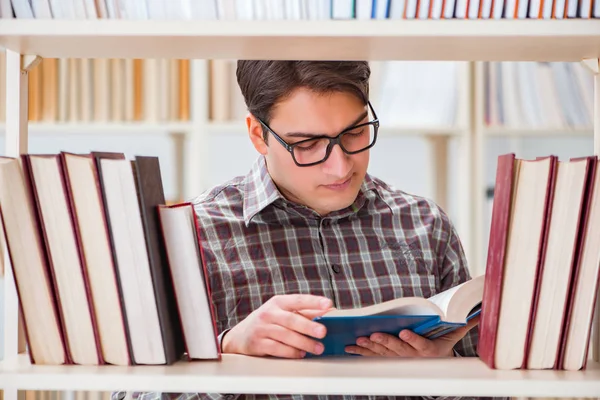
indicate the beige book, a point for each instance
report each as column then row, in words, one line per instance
column 128, row 89
column 173, row 89
column 101, row 89
column 63, row 89
column 219, row 107
column 164, row 68
column 29, row 263
column 74, row 90
column 34, row 90
column 151, row 90
column 86, row 87
column 2, row 85
column 117, row 90
column 46, row 176
column 50, row 89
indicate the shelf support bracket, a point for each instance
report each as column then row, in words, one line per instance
column 593, row 65
column 29, row 62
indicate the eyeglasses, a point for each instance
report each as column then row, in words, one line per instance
column 316, row 150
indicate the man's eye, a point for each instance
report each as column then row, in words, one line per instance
column 356, row 133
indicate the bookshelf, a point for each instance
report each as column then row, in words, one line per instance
column 236, row 373
column 460, row 40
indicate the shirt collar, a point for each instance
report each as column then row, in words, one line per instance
column 260, row 191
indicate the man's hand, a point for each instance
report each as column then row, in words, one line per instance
column 409, row 344
column 279, row 326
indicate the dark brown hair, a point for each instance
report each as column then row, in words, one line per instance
column 265, row 82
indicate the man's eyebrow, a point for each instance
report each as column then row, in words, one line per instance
column 311, row 135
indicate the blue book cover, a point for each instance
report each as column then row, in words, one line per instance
column 430, row 318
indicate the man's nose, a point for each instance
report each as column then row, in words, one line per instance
column 338, row 164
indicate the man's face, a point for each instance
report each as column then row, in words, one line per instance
column 333, row 184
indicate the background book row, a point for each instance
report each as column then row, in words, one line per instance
column 106, row 90
column 421, row 93
column 538, row 94
column 543, row 264
column 299, row 9
column 106, row 273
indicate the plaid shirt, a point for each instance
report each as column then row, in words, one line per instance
column 387, row 244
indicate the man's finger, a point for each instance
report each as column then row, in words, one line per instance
column 277, row 349
column 295, row 340
column 297, row 323
column 295, row 302
column 360, row 351
column 394, row 344
column 311, row 314
column 459, row 333
column 375, row 347
column 423, row 346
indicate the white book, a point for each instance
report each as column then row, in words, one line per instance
column 363, row 9
column 90, row 9
column 381, row 9
column 397, row 9
column 79, row 9
column 436, row 9
column 534, row 8
column 244, row 10
column 461, row 11
column 41, row 9
column 473, row 12
column 423, row 12
column 449, row 9
column 343, row 9
column 497, row 9
column 559, row 9
column 156, row 9
column 6, row 10
column 572, row 8
column 522, row 6
column 510, row 8
column 131, row 259
column 547, row 9
column 22, row 9
column 585, row 9
column 189, row 280
column 411, row 9
column 486, row 8
column 206, row 10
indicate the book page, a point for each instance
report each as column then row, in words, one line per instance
column 442, row 300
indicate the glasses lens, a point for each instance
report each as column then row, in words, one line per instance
column 311, row 151
column 358, row 138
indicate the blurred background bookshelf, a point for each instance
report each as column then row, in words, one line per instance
column 191, row 114
column 440, row 122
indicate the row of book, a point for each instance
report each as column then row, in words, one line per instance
column 106, row 90
column 543, row 264
column 299, row 9
column 538, row 94
column 106, row 272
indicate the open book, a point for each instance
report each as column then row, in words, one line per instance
column 429, row 317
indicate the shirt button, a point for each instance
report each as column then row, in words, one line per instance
column 336, row 268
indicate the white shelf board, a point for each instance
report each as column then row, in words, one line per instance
column 103, row 128
column 242, row 374
column 239, row 127
column 538, row 131
column 479, row 40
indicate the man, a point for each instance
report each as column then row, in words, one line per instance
column 308, row 229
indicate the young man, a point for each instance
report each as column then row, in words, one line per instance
column 307, row 229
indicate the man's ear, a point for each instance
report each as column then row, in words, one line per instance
column 255, row 132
